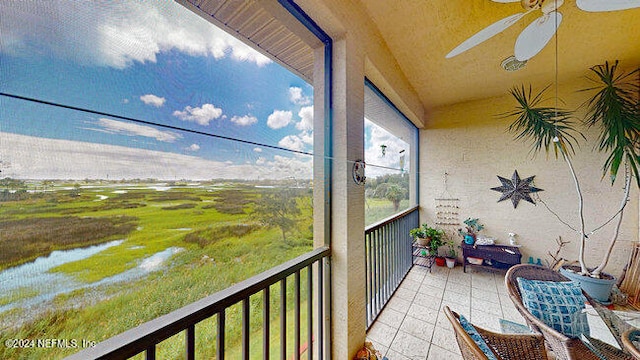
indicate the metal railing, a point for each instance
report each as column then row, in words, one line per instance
column 388, row 258
column 146, row 337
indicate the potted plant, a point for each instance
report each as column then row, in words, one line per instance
column 426, row 235
column 471, row 230
column 435, row 244
column 452, row 254
column 613, row 109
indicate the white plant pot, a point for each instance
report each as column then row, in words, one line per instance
column 451, row 262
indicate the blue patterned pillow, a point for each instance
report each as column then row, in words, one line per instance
column 473, row 333
column 558, row 304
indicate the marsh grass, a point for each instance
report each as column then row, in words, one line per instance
column 230, row 249
column 20, row 294
column 39, row 236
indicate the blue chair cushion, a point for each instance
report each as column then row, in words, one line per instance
column 473, row 333
column 558, row 304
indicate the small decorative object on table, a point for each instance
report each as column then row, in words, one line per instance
column 471, row 230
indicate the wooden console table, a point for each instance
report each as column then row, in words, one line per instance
column 496, row 257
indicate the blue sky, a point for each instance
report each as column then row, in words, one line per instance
column 154, row 61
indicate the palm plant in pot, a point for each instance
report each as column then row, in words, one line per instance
column 614, row 110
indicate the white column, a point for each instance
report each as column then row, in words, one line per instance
column 348, row 308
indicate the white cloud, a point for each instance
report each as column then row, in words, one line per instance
column 279, row 119
column 292, row 142
column 153, row 100
column 132, row 129
column 257, row 149
column 306, row 118
column 200, row 115
column 306, row 137
column 286, row 167
column 244, row 120
column 119, row 33
column 193, row 147
column 297, row 97
column 42, row 158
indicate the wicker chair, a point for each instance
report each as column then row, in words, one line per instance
column 628, row 339
column 504, row 346
column 563, row 347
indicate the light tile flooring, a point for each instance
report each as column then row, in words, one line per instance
column 413, row 325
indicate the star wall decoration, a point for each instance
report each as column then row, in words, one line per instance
column 516, row 189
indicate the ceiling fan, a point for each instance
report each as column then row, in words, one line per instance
column 536, row 36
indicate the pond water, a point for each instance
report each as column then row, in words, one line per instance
column 38, row 285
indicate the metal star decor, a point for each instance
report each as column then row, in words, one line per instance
column 516, row 189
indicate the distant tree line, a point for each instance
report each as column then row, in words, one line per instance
column 12, row 189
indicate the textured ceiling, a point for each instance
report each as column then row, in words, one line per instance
column 420, row 33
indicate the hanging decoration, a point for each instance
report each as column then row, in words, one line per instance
column 516, row 189
column 358, row 172
column 383, row 148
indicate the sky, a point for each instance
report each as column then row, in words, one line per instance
column 153, row 61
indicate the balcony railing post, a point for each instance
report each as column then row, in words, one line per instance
column 266, row 321
column 245, row 328
column 220, row 333
column 190, row 346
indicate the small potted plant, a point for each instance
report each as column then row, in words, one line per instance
column 471, row 230
column 452, row 254
column 426, row 235
column 434, row 245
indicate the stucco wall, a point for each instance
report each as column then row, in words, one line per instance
column 470, row 143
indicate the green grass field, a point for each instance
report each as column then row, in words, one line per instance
column 223, row 244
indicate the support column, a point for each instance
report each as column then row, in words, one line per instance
column 348, row 308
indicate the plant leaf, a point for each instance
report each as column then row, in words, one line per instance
column 615, row 109
column 541, row 124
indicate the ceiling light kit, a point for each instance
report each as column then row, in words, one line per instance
column 538, row 33
column 512, row 64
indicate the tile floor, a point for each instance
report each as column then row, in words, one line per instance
column 413, row 325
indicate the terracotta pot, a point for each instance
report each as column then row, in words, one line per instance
column 423, row 241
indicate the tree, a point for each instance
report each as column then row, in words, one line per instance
column 395, row 194
column 615, row 111
column 278, row 209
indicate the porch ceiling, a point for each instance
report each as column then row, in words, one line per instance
column 420, row 33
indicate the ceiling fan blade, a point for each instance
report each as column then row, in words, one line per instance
column 486, row 33
column 607, row 5
column 536, row 36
